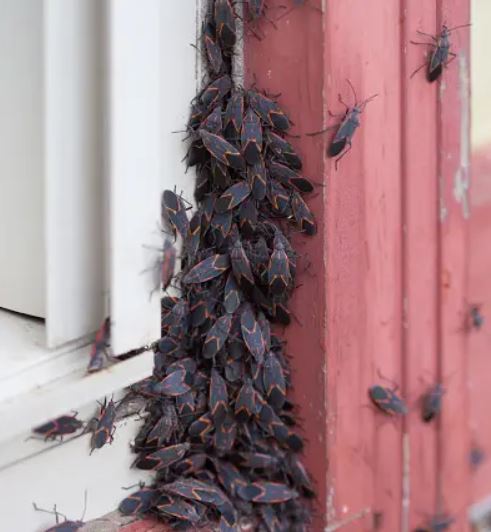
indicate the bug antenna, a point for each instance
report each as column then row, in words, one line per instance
column 352, row 90
column 369, row 99
column 460, row 26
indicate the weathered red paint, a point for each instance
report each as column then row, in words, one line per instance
column 479, row 291
column 386, row 287
column 453, row 170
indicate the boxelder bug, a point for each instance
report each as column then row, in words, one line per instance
column 139, row 502
column 207, row 269
column 59, row 427
column 266, row 492
column 98, row 351
column 432, row 403
column 386, row 400
column 104, row 428
column 476, row 318
column 348, row 126
column 441, row 52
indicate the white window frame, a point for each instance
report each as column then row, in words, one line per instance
column 142, row 157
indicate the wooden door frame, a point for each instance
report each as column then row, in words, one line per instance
column 386, row 284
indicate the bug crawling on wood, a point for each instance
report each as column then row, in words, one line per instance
column 387, row 400
column 439, row 57
column 341, row 143
column 432, row 403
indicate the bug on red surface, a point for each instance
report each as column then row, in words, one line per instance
column 222, row 150
column 173, row 206
column 233, row 197
column 432, row 403
column 104, row 427
column 387, row 400
column 163, row 457
column 437, row 523
column 439, row 57
column 98, row 350
column 207, row 269
column 252, row 334
column 476, row 317
column 59, row 427
column 266, row 492
column 341, row 143
column 139, row 502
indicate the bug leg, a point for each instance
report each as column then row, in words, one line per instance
column 417, row 70
column 425, row 43
column 450, row 60
column 336, row 162
column 314, row 133
column 340, row 98
column 432, row 37
column 338, row 115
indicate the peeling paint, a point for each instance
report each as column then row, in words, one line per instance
column 461, row 178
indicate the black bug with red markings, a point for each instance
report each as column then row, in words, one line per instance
column 59, row 427
column 219, row 432
column 387, row 400
column 104, row 426
column 98, row 351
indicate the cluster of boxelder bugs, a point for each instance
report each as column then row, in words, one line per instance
column 219, row 430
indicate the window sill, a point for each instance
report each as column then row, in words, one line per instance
column 37, row 384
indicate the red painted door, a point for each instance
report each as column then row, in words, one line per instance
column 385, row 297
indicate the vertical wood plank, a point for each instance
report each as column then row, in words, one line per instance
column 420, row 268
column 134, row 169
column 73, row 168
column 364, row 261
column 454, row 135
column 289, row 60
column 22, row 285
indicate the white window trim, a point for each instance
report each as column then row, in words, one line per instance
column 38, row 383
